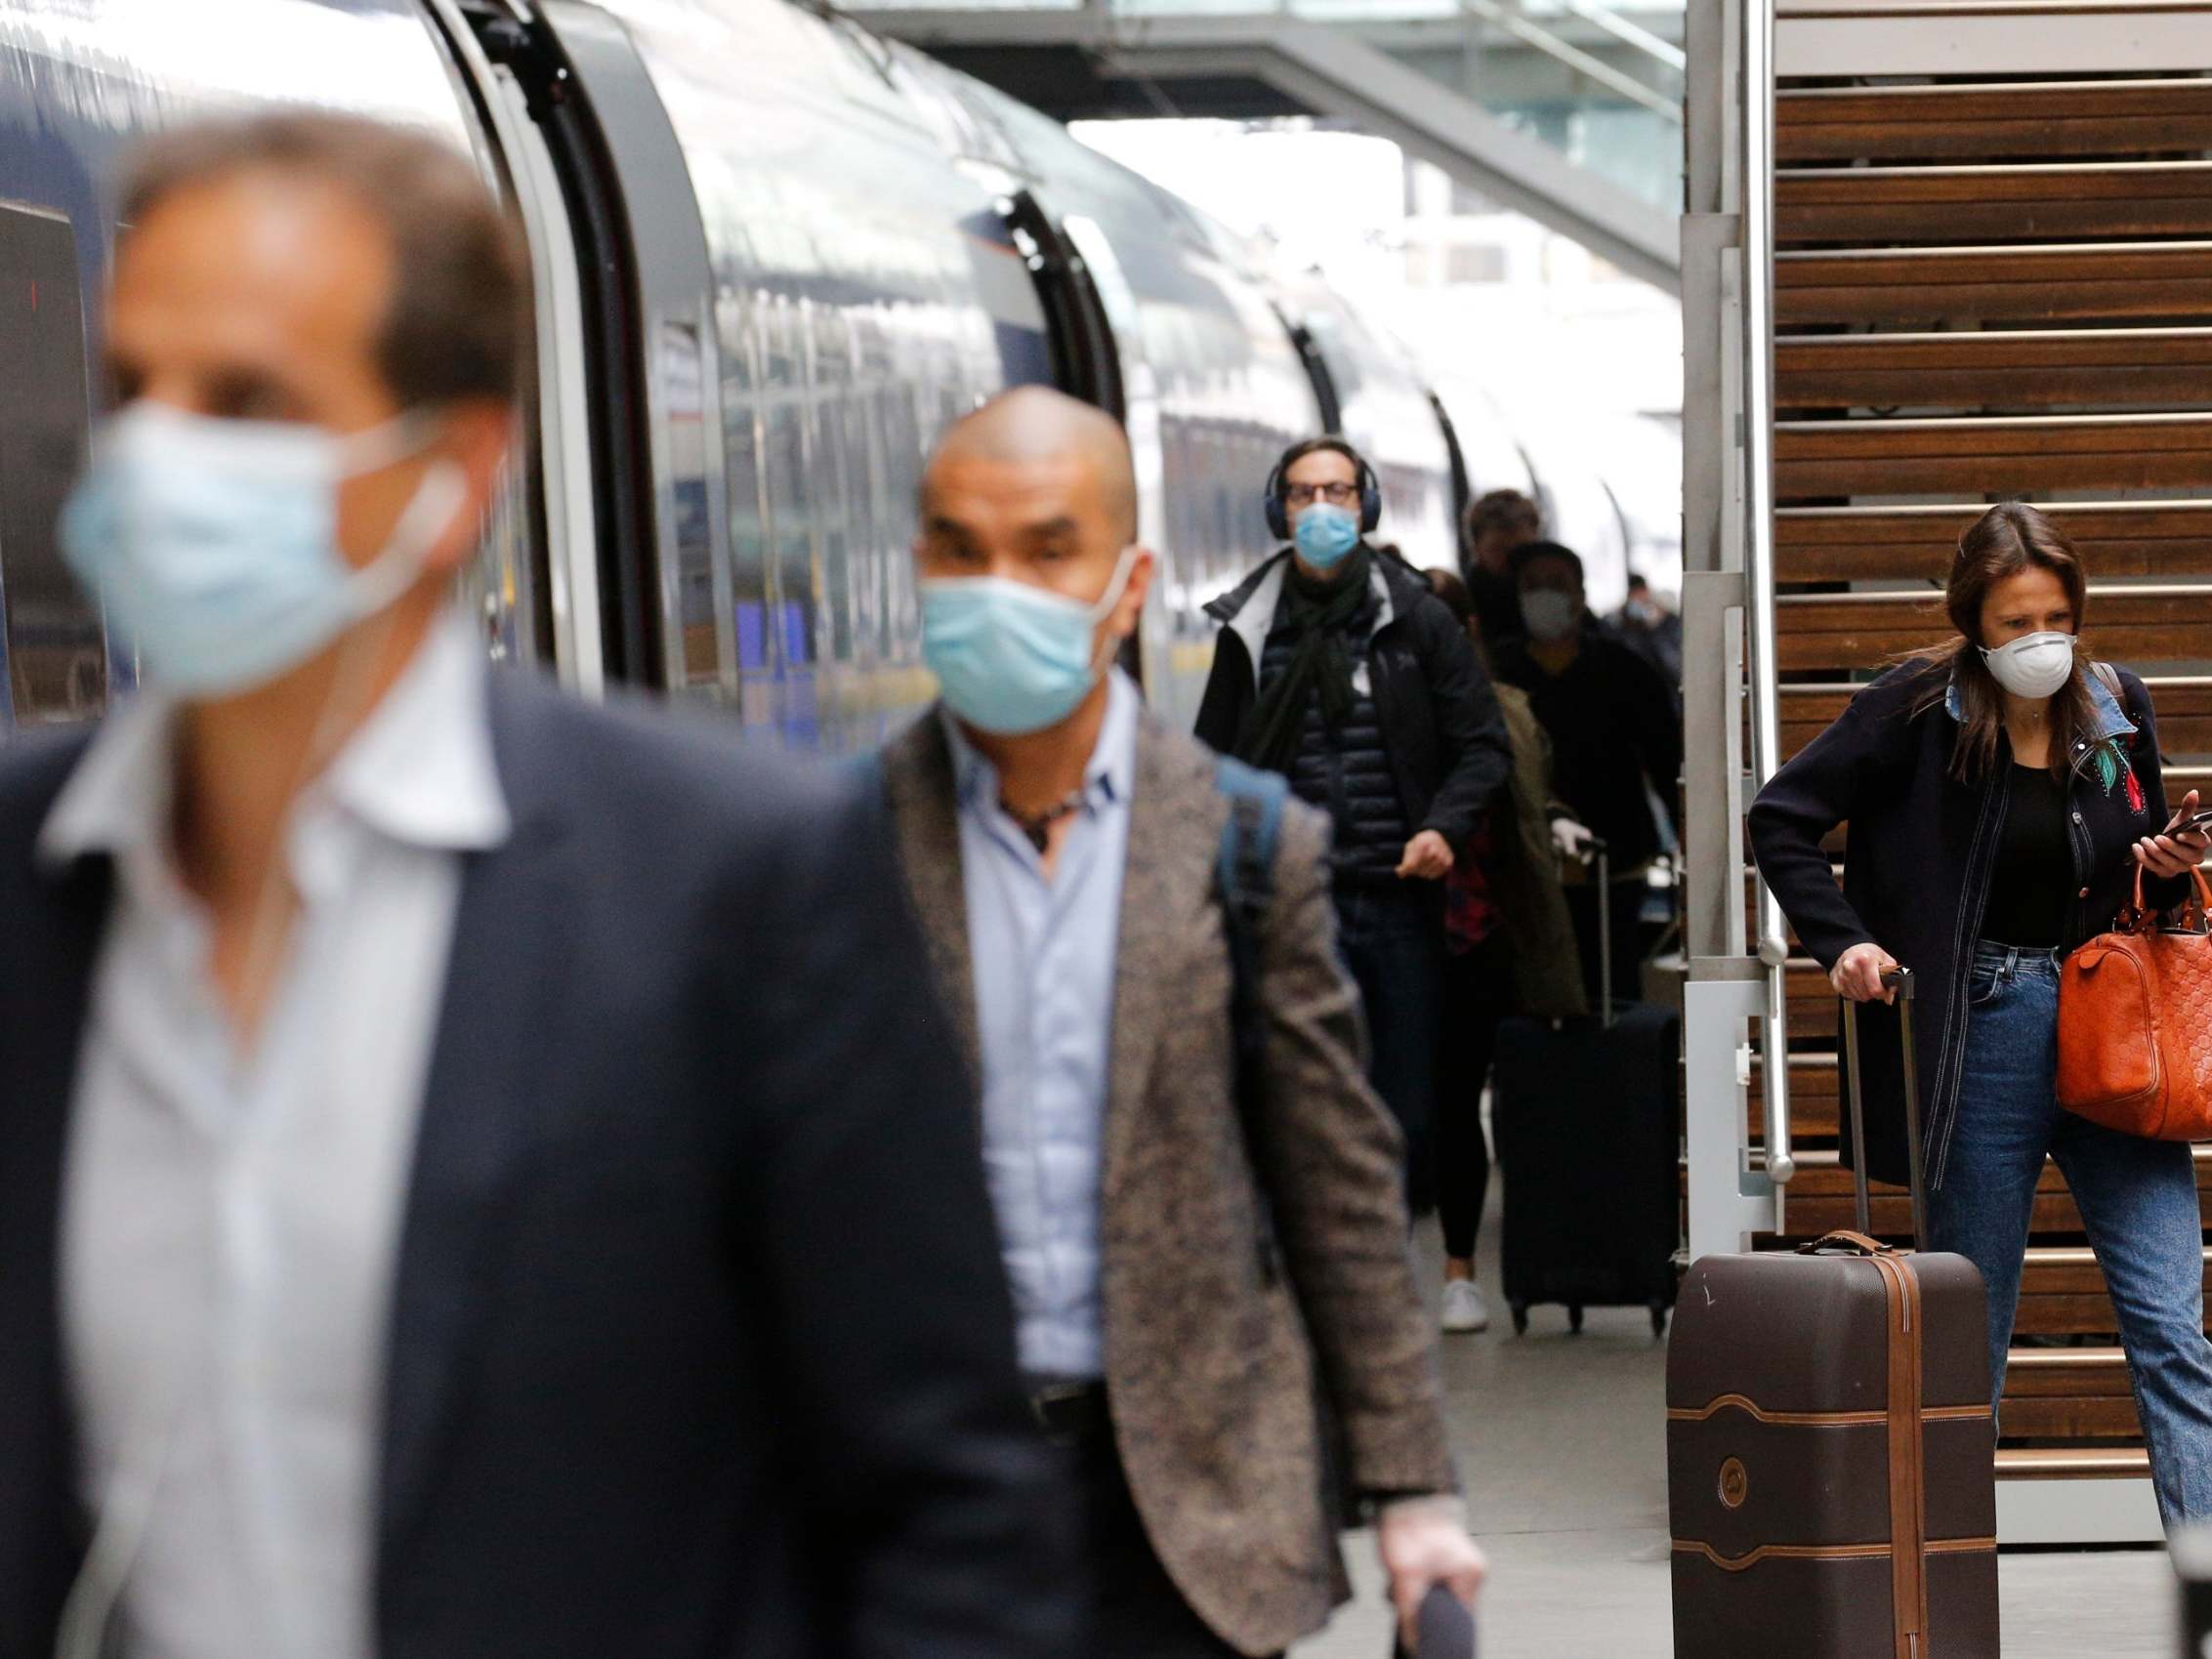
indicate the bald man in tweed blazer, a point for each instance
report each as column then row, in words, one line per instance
column 1212, row 1346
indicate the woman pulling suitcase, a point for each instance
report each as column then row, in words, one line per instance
column 2001, row 790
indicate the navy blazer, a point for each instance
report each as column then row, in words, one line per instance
column 1917, row 868
column 700, row 1343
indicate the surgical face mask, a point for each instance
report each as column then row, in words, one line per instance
column 1549, row 615
column 213, row 543
column 1012, row 658
column 1324, row 534
column 2035, row 665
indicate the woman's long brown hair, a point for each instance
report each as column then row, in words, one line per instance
column 2004, row 541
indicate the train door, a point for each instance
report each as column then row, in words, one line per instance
column 1316, row 368
column 1139, row 414
column 635, row 514
column 53, row 653
column 1086, row 358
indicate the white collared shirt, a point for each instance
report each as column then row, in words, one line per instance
column 230, row 1220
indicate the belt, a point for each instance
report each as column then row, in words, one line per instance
column 1069, row 1410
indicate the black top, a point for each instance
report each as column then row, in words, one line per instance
column 1613, row 724
column 1496, row 597
column 2032, row 882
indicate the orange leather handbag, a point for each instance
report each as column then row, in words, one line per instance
column 2135, row 1022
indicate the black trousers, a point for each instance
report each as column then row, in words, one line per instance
column 1131, row 1608
column 1392, row 942
column 1474, row 988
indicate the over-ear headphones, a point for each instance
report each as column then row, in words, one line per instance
column 1370, row 488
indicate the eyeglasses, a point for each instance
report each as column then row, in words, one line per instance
column 1336, row 495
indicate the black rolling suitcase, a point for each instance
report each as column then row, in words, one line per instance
column 1583, row 1115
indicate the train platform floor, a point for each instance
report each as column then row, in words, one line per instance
column 1561, row 1444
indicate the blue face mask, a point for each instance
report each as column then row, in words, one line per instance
column 1324, row 534
column 213, row 543
column 1009, row 657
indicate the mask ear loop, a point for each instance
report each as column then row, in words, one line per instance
column 1124, row 568
column 371, row 592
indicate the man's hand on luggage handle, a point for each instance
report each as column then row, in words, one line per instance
column 1858, row 974
column 1428, row 858
column 1424, row 1542
column 2175, row 851
column 1570, row 838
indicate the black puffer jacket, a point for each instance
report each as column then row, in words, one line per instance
column 1439, row 719
column 1346, row 772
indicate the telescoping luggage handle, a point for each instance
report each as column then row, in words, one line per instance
column 1446, row 1629
column 1598, row 853
column 1901, row 980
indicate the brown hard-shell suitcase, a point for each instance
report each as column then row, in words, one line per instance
column 1830, row 1446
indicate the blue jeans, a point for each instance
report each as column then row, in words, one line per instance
column 2138, row 1201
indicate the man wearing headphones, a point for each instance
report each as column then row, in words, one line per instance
column 1337, row 667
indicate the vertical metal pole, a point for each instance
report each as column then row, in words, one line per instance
column 1854, row 1103
column 1901, row 978
column 1759, row 545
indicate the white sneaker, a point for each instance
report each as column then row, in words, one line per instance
column 1464, row 1308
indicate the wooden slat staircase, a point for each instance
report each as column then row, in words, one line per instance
column 1985, row 291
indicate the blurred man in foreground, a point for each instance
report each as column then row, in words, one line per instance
column 1172, row 1241
column 478, row 1174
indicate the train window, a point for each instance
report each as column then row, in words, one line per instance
column 683, row 381
column 791, row 528
column 832, row 496
column 748, row 524
column 51, row 642
column 868, row 554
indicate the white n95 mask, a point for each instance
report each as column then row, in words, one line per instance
column 2035, row 665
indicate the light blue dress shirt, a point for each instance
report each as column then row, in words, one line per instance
column 1044, row 964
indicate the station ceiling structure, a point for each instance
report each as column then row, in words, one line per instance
column 1567, row 110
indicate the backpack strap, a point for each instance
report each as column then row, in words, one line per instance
column 1243, row 887
column 2111, row 676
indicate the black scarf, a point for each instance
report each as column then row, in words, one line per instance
column 1321, row 616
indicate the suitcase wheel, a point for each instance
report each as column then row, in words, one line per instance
column 1658, row 1318
column 1574, row 1318
column 1519, row 1318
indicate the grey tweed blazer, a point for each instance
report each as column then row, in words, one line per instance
column 1210, row 1357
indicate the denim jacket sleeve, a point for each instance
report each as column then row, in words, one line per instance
column 1802, row 803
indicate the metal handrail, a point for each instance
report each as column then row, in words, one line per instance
column 1759, row 542
column 1621, row 29
column 1585, row 63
